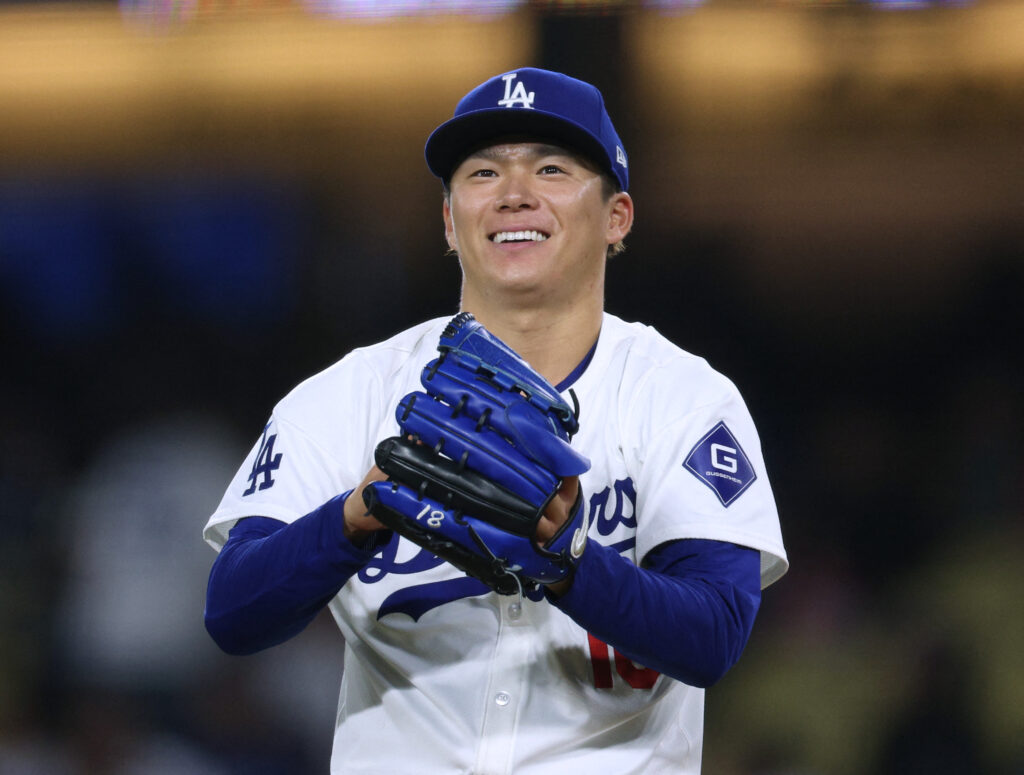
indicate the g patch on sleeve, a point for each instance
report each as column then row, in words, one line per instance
column 719, row 461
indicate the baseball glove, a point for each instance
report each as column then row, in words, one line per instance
column 482, row 453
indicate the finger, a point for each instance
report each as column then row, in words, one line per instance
column 357, row 519
column 558, row 511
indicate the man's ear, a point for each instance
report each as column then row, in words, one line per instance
column 449, row 226
column 620, row 217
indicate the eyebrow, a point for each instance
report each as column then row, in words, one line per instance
column 492, row 152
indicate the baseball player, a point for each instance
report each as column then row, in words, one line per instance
column 542, row 530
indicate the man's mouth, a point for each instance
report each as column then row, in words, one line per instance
column 518, row 236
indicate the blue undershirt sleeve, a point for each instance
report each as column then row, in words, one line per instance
column 687, row 613
column 272, row 578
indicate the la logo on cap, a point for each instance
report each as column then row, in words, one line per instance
column 519, row 94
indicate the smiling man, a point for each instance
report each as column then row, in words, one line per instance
column 532, row 223
column 603, row 668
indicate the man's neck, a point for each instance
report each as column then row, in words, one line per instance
column 552, row 343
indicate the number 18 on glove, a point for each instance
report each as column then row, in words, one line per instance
column 481, row 455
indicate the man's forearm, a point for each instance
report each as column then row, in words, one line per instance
column 687, row 615
column 272, row 578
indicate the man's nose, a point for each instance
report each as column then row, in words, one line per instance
column 516, row 193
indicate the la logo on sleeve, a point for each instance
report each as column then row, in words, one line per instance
column 719, row 461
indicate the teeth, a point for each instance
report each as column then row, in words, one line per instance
column 519, row 236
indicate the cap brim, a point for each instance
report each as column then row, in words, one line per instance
column 455, row 139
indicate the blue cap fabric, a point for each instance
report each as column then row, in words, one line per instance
column 537, row 103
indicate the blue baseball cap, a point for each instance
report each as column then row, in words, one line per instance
column 533, row 102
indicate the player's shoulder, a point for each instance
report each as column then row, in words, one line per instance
column 651, row 361
column 393, row 353
column 364, row 373
column 644, row 341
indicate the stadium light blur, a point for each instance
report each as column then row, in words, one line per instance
column 386, row 9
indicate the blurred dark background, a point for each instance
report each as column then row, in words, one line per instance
column 203, row 203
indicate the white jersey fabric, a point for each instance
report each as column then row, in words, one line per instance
column 439, row 678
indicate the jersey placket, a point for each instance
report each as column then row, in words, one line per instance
column 506, row 686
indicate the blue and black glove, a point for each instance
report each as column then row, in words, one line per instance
column 482, row 453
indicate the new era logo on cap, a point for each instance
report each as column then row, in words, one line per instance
column 534, row 103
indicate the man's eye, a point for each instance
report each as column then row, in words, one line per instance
column 483, row 173
column 551, row 169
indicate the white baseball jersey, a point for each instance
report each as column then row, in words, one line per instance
column 439, row 678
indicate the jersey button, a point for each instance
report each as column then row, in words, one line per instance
column 502, row 698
